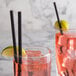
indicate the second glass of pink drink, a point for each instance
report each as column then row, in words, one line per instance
column 66, row 53
column 37, row 62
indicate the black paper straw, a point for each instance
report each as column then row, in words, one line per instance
column 19, row 37
column 58, row 18
column 13, row 35
column 19, row 43
column 13, row 38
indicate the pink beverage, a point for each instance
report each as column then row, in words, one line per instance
column 66, row 54
column 35, row 63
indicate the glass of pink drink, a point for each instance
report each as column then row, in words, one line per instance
column 37, row 62
column 66, row 53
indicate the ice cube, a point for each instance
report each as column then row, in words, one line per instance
column 68, row 63
column 63, row 40
column 31, row 53
column 71, row 54
column 72, row 43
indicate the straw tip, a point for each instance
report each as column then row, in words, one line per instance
column 11, row 10
column 54, row 2
column 19, row 12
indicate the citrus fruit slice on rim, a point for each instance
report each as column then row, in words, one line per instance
column 9, row 52
column 64, row 25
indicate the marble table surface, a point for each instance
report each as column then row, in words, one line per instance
column 37, row 14
column 33, row 38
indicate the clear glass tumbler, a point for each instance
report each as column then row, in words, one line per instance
column 37, row 62
column 66, row 53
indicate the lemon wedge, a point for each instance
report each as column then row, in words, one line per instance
column 9, row 52
column 64, row 25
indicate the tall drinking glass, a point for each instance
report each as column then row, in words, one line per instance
column 37, row 62
column 66, row 53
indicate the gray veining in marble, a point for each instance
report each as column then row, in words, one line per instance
column 38, row 17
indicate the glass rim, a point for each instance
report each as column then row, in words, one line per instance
column 33, row 47
column 26, row 57
column 30, row 47
column 69, row 31
column 74, row 29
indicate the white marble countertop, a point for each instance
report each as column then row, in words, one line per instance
column 36, row 15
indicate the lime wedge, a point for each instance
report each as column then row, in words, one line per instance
column 64, row 25
column 9, row 51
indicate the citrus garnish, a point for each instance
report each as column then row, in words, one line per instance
column 9, row 51
column 64, row 25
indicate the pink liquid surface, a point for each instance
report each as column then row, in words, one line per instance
column 34, row 67
column 66, row 54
